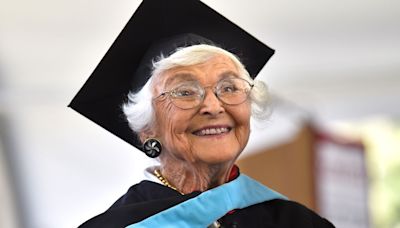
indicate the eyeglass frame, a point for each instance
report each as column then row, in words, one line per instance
column 251, row 85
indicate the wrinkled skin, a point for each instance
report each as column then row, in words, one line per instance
column 189, row 160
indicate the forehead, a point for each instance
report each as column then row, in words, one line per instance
column 207, row 72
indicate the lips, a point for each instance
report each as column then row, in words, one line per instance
column 212, row 131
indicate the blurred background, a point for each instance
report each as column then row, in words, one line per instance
column 332, row 143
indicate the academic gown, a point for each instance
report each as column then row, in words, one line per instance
column 150, row 204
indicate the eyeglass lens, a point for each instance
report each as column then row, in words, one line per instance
column 231, row 91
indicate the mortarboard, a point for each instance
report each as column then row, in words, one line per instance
column 157, row 27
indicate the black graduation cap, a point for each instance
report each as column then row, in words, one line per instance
column 158, row 26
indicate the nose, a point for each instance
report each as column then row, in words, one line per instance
column 211, row 104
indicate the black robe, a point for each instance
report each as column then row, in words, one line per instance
column 148, row 198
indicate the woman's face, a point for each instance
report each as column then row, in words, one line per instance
column 211, row 133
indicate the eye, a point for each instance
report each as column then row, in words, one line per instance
column 228, row 87
column 185, row 92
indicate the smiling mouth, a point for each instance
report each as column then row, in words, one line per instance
column 212, row 131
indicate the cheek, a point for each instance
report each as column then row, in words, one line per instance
column 172, row 124
column 168, row 118
column 241, row 116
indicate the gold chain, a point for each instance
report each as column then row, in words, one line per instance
column 165, row 181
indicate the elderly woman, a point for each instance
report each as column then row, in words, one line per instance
column 197, row 105
column 192, row 114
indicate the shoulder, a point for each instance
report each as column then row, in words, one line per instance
column 277, row 213
column 288, row 212
column 143, row 192
column 139, row 202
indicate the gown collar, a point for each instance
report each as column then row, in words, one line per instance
column 211, row 205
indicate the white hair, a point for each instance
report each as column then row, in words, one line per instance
column 139, row 109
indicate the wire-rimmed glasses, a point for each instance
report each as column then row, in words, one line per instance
column 190, row 94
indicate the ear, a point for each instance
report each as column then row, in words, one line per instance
column 146, row 134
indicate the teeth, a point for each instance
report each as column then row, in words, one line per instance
column 213, row 131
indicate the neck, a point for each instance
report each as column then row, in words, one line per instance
column 195, row 177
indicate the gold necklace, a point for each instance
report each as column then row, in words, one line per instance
column 165, row 181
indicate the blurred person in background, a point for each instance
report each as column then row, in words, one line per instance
column 183, row 77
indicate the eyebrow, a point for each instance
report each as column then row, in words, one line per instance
column 180, row 77
column 228, row 74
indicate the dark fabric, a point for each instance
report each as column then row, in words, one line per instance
column 274, row 214
column 141, row 201
column 148, row 198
